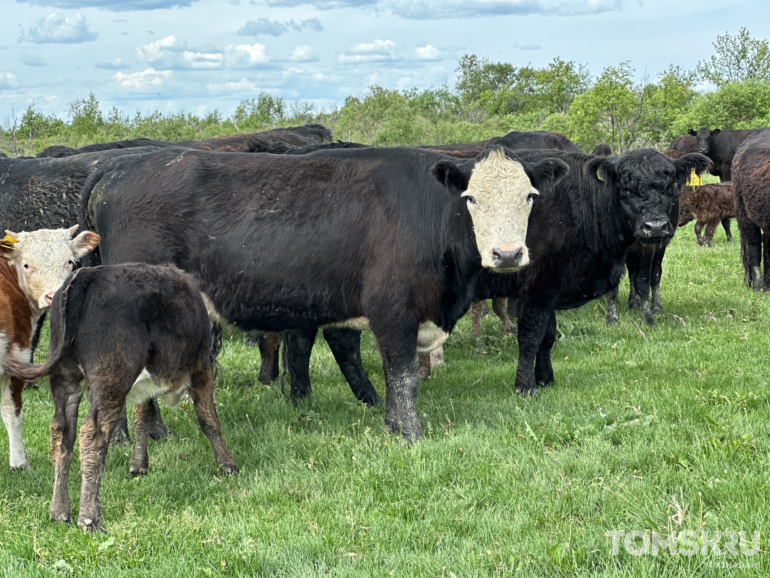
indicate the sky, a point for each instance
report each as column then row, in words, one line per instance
column 201, row 55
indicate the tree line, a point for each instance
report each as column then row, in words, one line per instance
column 488, row 99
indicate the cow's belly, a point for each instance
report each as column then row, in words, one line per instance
column 429, row 335
column 145, row 387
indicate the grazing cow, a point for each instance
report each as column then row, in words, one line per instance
column 276, row 141
column 720, row 146
column 32, row 267
column 391, row 239
column 130, row 332
column 602, row 150
column 681, row 146
column 751, row 186
column 709, row 205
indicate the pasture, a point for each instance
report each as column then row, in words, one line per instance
column 666, row 431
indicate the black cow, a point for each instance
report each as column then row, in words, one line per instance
column 538, row 139
column 132, row 332
column 602, row 150
column 720, row 146
column 751, row 187
column 391, row 239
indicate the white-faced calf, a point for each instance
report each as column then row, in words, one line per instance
column 33, row 266
column 129, row 332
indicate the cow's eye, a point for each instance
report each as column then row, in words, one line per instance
column 471, row 199
column 531, row 198
column 70, row 263
column 26, row 265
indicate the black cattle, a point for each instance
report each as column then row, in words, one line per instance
column 720, row 146
column 328, row 146
column 132, row 332
column 681, row 146
column 602, row 150
column 538, row 139
column 751, row 187
column 372, row 237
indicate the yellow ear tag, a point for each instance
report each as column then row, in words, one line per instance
column 694, row 180
column 8, row 242
column 9, row 239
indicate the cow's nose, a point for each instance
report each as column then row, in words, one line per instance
column 48, row 297
column 656, row 228
column 507, row 256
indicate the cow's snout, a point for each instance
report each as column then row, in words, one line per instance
column 47, row 299
column 507, row 256
column 657, row 228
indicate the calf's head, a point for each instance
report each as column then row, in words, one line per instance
column 44, row 258
column 704, row 137
column 646, row 184
column 499, row 190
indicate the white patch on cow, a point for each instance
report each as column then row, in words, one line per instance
column 498, row 193
column 430, row 337
column 211, row 309
column 145, row 388
column 18, row 455
column 357, row 323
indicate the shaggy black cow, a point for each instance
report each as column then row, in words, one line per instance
column 720, row 146
column 132, row 332
column 276, row 141
column 387, row 239
column 602, row 150
column 751, row 187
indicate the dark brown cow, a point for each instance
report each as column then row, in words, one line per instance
column 681, row 146
column 709, row 205
column 751, row 185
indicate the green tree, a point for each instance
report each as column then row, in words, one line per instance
column 254, row 114
column 738, row 58
column 86, row 117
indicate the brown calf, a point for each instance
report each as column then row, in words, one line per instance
column 709, row 205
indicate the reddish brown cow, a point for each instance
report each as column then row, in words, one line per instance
column 709, row 205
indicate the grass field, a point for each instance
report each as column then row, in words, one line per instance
column 669, row 431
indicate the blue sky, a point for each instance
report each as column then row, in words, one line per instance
column 200, row 55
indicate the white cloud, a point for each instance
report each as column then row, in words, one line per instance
column 368, row 52
column 8, row 80
column 56, row 28
column 429, row 53
column 168, row 53
column 436, row 9
column 303, row 53
column 246, row 55
column 526, row 45
column 116, row 64
column 32, row 60
column 242, row 86
column 148, row 79
column 154, row 50
column 113, row 5
column 267, row 27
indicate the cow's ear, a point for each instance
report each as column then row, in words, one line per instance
column 9, row 245
column 72, row 230
column 450, row 175
column 716, row 131
column 600, row 169
column 689, row 162
column 691, row 132
column 84, row 243
column 546, row 172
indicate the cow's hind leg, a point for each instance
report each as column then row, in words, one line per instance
column 144, row 421
column 535, row 316
column 121, row 437
column 753, row 255
column 67, row 392
column 500, row 307
column 613, row 316
column 202, row 394
column 698, row 229
column 298, row 345
column 13, row 414
column 633, row 264
column 766, row 243
column 543, row 365
column 655, row 275
column 346, row 348
column 476, row 310
column 269, row 346
column 726, row 226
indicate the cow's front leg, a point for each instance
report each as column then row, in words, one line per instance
column 13, row 413
column 698, row 229
column 298, row 345
column 534, row 318
column 269, row 348
column 477, row 308
column 402, row 378
column 67, row 393
column 641, row 284
column 655, row 275
column 346, row 348
column 543, row 366
column 613, row 316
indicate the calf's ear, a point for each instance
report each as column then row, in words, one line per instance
column 689, row 162
column 547, row 172
column 716, row 131
column 450, row 175
column 84, row 243
column 691, row 132
column 599, row 169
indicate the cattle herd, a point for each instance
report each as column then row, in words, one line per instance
column 284, row 232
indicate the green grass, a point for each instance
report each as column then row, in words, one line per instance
column 669, row 430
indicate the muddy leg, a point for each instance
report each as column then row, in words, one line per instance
column 398, row 348
column 67, row 393
column 202, row 394
column 144, row 421
column 500, row 307
column 424, row 365
column 12, row 413
column 476, row 308
column 613, row 317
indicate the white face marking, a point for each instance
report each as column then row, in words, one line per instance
column 44, row 258
column 499, row 201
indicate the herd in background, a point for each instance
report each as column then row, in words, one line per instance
column 338, row 237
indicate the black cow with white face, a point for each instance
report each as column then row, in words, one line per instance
column 720, row 146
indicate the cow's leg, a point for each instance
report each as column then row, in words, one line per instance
column 641, row 281
column 424, row 359
column 95, row 433
column 202, row 394
column 500, row 307
column 346, row 348
column 159, row 430
column 13, row 413
column 398, row 348
column 534, row 316
column 512, row 302
column 67, row 393
column 476, row 308
column 656, row 273
column 726, row 227
column 298, row 345
column 121, row 437
column 269, row 345
column 613, row 317
column 543, row 366
column 751, row 245
column 633, row 264
column 711, row 228
column 766, row 243
column 437, row 356
column 144, row 421
column 698, row 229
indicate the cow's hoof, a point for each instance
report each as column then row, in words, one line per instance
column 61, row 517
column 265, row 378
column 649, row 320
column 408, row 429
column 91, row 526
column 21, row 467
column 137, row 471
column 372, row 400
column 613, row 319
column 657, row 310
column 229, row 469
column 511, row 331
column 531, row 392
column 160, row 431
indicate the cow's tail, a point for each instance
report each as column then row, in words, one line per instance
column 64, row 323
column 85, row 212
